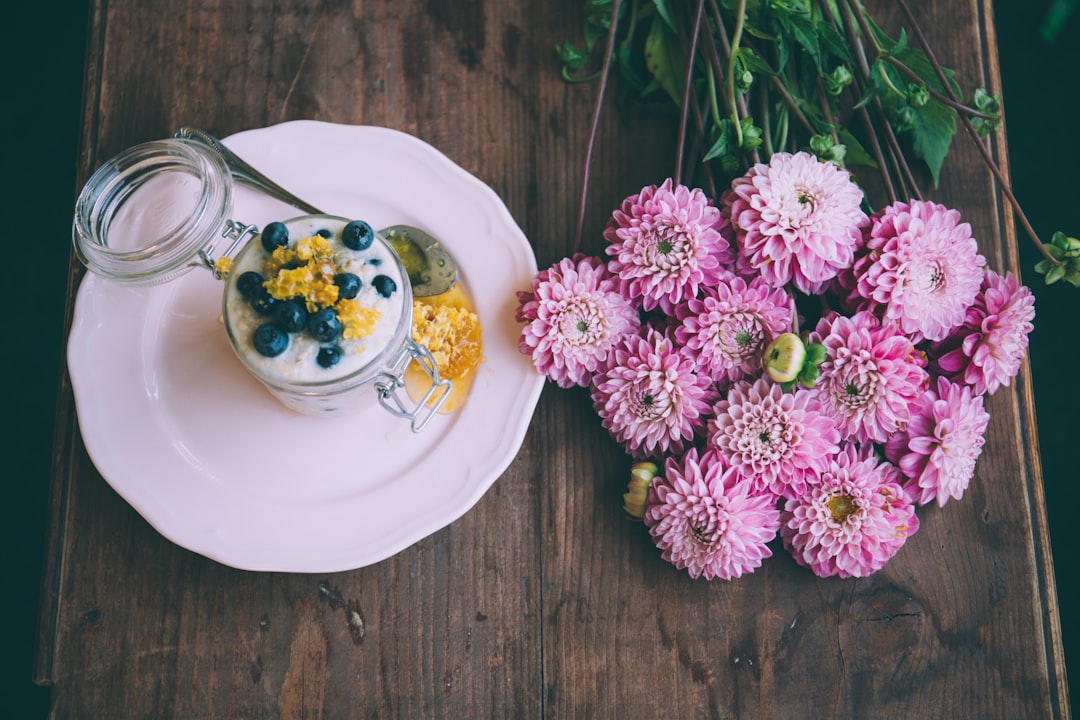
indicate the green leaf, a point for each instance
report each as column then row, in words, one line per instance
column 1054, row 274
column 663, row 59
column 722, row 145
column 856, row 153
column 797, row 24
column 934, row 126
column 663, row 11
column 834, row 43
column 815, row 353
column 753, row 62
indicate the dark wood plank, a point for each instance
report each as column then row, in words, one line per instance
column 542, row 600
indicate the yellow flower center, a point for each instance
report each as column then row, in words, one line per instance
column 841, row 507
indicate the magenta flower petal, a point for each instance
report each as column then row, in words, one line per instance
column 707, row 519
column 574, row 316
column 922, row 268
column 780, row 441
column 853, row 521
column 941, row 445
column 871, row 375
column 729, row 326
column 665, row 243
column 650, row 397
column 986, row 351
column 797, row 219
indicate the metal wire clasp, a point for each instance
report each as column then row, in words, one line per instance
column 233, row 231
column 390, row 382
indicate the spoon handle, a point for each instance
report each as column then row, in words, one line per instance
column 244, row 172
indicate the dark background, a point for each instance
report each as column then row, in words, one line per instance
column 46, row 56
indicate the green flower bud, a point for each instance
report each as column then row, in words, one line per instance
column 784, row 357
column 641, row 477
column 837, row 80
column 918, row 95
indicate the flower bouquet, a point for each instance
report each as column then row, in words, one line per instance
column 778, row 357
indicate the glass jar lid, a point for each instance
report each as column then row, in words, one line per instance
column 152, row 212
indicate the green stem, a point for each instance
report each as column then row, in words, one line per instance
column 736, row 38
column 957, row 106
column 1003, row 183
column 688, row 87
column 596, row 123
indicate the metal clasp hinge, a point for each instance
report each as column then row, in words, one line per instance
column 233, row 231
column 390, row 382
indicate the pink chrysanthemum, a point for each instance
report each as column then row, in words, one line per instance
column 726, row 329
column 706, row 519
column 986, row 351
column 940, row 446
column 665, row 243
column 574, row 316
column 922, row 269
column 853, row 521
column 778, row 440
column 871, row 375
column 797, row 219
column 650, row 398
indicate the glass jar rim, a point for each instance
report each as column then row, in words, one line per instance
column 166, row 251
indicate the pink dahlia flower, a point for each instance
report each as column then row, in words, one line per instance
column 729, row 326
column 797, row 219
column 574, row 316
column 940, row 446
column 870, row 377
column 922, row 269
column 853, row 521
column 986, row 351
column 780, row 441
column 665, row 243
column 650, row 398
column 706, row 519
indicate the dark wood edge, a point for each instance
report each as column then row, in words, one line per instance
column 66, row 435
column 1027, row 430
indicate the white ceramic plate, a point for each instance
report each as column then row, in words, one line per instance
column 199, row 448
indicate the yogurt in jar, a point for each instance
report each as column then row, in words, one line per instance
column 313, row 302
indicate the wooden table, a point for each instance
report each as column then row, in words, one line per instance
column 542, row 600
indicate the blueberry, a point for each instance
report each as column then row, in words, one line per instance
column 275, row 235
column 329, row 355
column 357, row 235
column 385, row 285
column 324, row 233
column 262, row 301
column 291, row 315
column 324, row 325
column 248, row 283
column 269, row 340
column 348, row 285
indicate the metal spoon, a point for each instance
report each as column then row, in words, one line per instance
column 431, row 269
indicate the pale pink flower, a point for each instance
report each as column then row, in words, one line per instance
column 986, row 351
column 728, row 327
column 797, row 219
column 941, row 445
column 871, row 375
column 706, row 518
column 650, row 398
column 853, row 521
column 574, row 316
column 665, row 243
column 922, row 268
column 778, row 440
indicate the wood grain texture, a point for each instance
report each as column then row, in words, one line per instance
column 541, row 601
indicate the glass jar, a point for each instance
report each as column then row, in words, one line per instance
column 160, row 209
